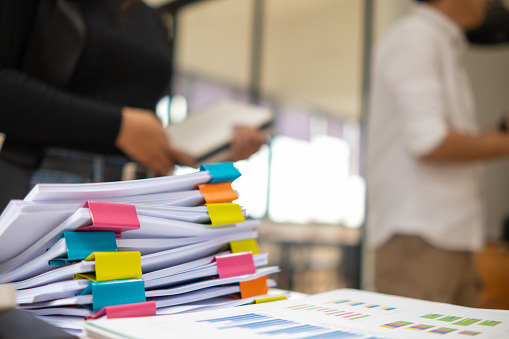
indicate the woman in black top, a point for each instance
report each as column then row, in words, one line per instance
column 103, row 104
column 85, row 75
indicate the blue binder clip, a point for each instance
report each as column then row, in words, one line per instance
column 115, row 292
column 222, row 172
column 81, row 244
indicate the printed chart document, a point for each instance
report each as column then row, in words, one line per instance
column 206, row 134
column 344, row 313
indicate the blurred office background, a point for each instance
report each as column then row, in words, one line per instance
column 308, row 61
column 304, row 60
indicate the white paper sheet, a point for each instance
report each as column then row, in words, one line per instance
column 116, row 189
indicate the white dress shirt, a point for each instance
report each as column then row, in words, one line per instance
column 419, row 91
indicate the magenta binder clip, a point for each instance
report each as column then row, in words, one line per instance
column 235, row 264
column 107, row 216
column 144, row 309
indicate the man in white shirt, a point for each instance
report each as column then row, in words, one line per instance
column 425, row 216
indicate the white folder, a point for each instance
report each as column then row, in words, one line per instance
column 216, row 124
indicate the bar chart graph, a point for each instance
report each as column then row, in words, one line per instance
column 277, row 327
column 350, row 311
column 350, row 302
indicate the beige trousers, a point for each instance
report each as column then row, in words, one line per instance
column 408, row 266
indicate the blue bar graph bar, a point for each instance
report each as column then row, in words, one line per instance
column 238, row 318
column 341, row 301
column 256, row 321
column 297, row 329
column 262, row 324
column 335, row 335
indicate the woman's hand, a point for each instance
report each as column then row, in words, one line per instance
column 142, row 138
column 246, row 141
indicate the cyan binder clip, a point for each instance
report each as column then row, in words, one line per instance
column 116, row 292
column 81, row 244
column 107, row 216
column 145, row 309
column 222, row 172
column 235, row 264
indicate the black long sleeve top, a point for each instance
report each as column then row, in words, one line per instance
column 125, row 61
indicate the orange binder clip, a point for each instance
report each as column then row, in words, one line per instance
column 220, row 192
column 255, row 287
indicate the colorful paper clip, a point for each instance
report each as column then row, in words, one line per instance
column 220, row 192
column 248, row 245
column 268, row 299
column 81, row 244
column 222, row 172
column 113, row 266
column 235, row 264
column 255, row 287
column 225, row 213
column 108, row 216
column 116, row 292
column 143, row 309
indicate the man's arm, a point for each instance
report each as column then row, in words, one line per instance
column 463, row 147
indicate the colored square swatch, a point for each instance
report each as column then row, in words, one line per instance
column 420, row 327
column 449, row 319
column 432, row 316
column 396, row 324
column 470, row 333
column 467, row 321
column 442, row 330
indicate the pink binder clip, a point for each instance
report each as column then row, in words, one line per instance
column 145, row 309
column 235, row 264
column 107, row 216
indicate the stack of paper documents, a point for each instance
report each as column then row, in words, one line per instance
column 155, row 246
